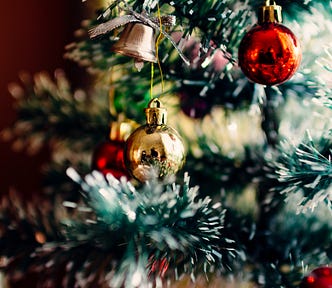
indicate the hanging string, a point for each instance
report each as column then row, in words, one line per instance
column 151, row 82
column 159, row 38
column 111, row 95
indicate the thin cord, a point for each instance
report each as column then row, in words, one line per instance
column 151, row 82
column 111, row 94
column 160, row 36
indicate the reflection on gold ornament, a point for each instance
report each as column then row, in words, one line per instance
column 154, row 149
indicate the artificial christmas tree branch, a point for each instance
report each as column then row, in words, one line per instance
column 259, row 178
column 155, row 223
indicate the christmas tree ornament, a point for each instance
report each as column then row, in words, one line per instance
column 138, row 38
column 154, row 149
column 269, row 53
column 108, row 156
column 192, row 103
column 138, row 41
column 319, row 278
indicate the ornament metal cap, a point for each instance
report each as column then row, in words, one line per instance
column 270, row 12
column 155, row 114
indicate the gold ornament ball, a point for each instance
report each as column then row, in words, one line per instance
column 154, row 149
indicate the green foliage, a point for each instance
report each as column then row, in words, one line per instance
column 290, row 245
column 120, row 230
column 49, row 111
column 229, row 173
column 306, row 168
column 129, row 235
column 149, row 225
column 24, row 227
column 206, row 34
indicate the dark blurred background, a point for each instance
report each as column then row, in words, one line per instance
column 33, row 36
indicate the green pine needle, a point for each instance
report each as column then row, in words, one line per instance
column 306, row 168
column 156, row 222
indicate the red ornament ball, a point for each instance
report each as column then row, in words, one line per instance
column 319, row 278
column 192, row 104
column 269, row 54
column 108, row 158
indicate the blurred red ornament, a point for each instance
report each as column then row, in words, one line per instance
column 319, row 278
column 159, row 267
column 192, row 103
column 108, row 156
column 269, row 53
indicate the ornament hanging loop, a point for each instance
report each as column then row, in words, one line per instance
column 155, row 113
column 270, row 12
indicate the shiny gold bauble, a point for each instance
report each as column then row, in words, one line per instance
column 154, row 149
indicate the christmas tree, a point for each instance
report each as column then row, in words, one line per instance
column 200, row 158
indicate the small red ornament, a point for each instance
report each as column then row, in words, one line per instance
column 108, row 156
column 269, row 53
column 319, row 278
column 159, row 267
column 192, row 103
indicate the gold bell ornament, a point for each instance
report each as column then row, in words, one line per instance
column 154, row 149
column 138, row 38
column 138, row 41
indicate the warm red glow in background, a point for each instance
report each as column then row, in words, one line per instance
column 33, row 36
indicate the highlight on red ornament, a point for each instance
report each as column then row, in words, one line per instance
column 319, row 278
column 269, row 53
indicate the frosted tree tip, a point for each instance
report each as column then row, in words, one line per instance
column 71, row 173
